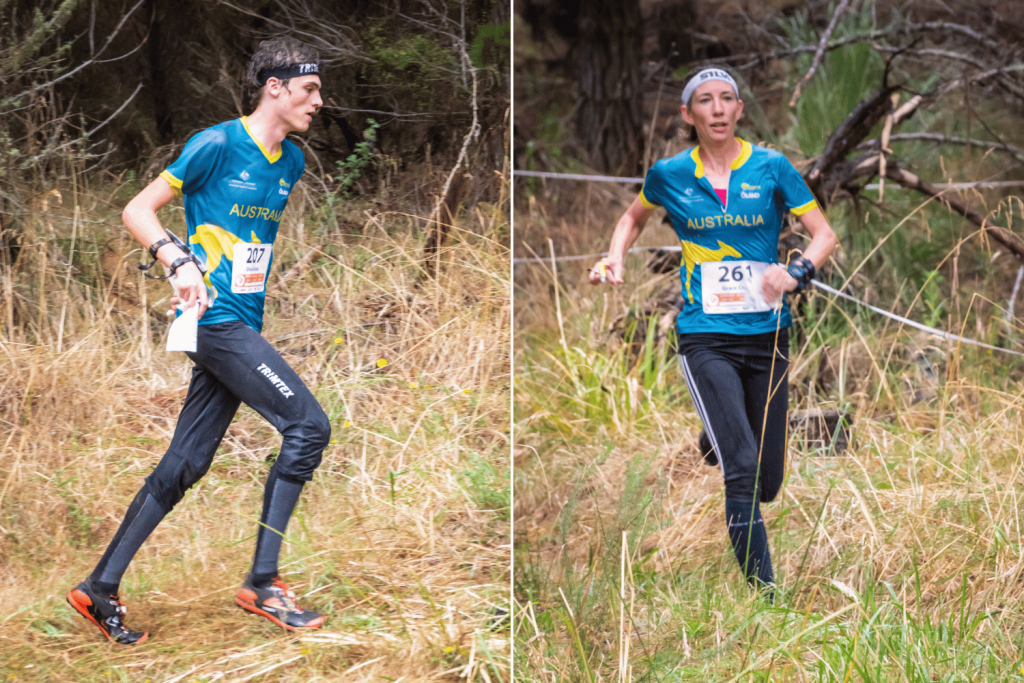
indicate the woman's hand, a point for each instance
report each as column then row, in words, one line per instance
column 612, row 268
column 607, row 270
column 775, row 282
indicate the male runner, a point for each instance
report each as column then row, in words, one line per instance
column 235, row 177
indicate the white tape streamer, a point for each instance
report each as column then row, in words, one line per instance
column 881, row 311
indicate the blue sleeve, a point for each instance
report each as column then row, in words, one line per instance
column 796, row 196
column 654, row 185
column 193, row 168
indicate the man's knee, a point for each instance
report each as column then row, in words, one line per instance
column 316, row 431
column 303, row 446
column 173, row 476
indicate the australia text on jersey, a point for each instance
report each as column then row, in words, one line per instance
column 246, row 211
column 708, row 222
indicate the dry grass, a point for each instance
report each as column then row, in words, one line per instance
column 402, row 537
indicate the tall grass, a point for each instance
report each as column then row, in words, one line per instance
column 900, row 560
column 401, row 538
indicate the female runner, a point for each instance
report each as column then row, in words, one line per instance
column 726, row 199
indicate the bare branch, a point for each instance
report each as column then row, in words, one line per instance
column 106, row 43
column 931, row 52
column 432, row 247
column 334, row 43
column 119, row 110
column 911, row 105
column 948, row 140
column 820, row 53
column 942, row 27
column 392, row 114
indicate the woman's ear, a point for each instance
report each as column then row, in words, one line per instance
column 687, row 116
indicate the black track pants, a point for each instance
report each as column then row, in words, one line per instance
column 742, row 398
column 234, row 365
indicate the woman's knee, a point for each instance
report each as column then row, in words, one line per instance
column 770, row 489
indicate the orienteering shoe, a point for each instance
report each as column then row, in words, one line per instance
column 277, row 603
column 106, row 611
column 707, row 451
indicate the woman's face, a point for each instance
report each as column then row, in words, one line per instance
column 713, row 111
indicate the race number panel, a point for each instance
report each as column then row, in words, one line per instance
column 733, row 287
column 249, row 268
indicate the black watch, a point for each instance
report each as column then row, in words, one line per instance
column 155, row 247
column 178, row 262
column 801, row 270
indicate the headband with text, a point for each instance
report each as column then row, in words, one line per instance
column 704, row 76
column 287, row 71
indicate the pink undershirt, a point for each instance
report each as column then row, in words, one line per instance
column 723, row 195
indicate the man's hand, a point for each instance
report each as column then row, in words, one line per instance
column 190, row 288
column 775, row 282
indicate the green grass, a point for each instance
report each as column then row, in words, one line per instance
column 899, row 560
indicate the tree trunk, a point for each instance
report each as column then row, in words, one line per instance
column 157, row 75
column 609, row 105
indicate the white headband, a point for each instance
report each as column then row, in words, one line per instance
column 704, row 76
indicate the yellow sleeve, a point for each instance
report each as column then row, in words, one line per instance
column 647, row 204
column 175, row 183
column 801, row 210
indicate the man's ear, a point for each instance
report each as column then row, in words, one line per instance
column 273, row 86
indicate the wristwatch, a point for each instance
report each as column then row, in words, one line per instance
column 801, row 270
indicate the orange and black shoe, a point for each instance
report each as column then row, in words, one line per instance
column 106, row 611
column 277, row 603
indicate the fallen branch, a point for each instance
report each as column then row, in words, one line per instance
column 850, row 133
column 947, row 140
column 1013, row 242
column 303, row 264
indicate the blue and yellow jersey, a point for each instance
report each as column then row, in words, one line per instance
column 235, row 192
column 763, row 185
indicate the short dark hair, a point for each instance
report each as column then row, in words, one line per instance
column 274, row 52
column 692, row 137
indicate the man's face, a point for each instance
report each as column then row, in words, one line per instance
column 300, row 101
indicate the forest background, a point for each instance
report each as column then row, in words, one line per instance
column 390, row 297
column 897, row 536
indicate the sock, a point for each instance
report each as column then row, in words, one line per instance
column 749, row 541
column 142, row 517
column 279, row 499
